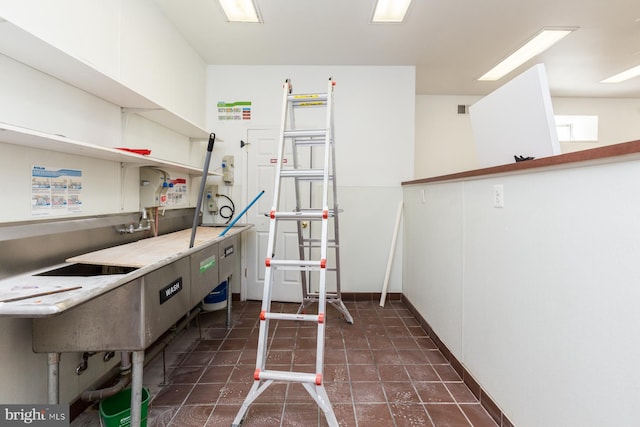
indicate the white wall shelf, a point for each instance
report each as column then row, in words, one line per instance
column 35, row 139
column 24, row 47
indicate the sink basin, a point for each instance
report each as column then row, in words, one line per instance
column 87, row 270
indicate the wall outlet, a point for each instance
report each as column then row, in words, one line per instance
column 498, row 196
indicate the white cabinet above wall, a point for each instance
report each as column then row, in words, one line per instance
column 24, row 47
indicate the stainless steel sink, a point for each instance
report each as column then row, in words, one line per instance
column 130, row 317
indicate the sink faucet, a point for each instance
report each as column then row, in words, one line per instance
column 144, row 224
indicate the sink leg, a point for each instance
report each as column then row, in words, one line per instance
column 53, row 380
column 228, row 302
column 136, row 388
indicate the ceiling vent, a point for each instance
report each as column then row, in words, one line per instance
column 463, row 109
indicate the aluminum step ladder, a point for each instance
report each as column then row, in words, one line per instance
column 317, row 254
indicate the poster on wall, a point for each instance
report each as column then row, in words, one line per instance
column 239, row 110
column 177, row 194
column 55, row 191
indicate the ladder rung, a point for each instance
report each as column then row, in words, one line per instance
column 300, row 268
column 304, row 133
column 301, row 215
column 303, row 173
column 309, row 141
column 295, row 263
column 308, row 269
column 292, row 316
column 314, row 243
column 308, row 98
column 309, row 103
column 305, row 210
column 314, row 296
column 311, row 246
column 288, row 376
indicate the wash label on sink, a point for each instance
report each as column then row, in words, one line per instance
column 170, row 290
column 228, row 251
column 207, row 263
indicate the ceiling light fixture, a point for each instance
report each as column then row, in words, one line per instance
column 390, row 10
column 240, row 10
column 625, row 75
column 538, row 44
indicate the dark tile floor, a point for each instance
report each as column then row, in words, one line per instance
column 382, row 370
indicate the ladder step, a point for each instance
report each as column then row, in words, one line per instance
column 295, row 263
column 331, row 211
column 301, row 268
column 306, row 214
column 311, row 246
column 318, row 318
column 304, row 133
column 308, row 99
column 301, row 377
column 315, row 243
column 309, row 141
column 328, row 296
column 304, row 173
column 309, row 269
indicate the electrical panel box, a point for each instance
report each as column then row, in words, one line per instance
column 151, row 185
column 227, row 169
column 211, row 199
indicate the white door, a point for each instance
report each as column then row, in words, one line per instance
column 261, row 166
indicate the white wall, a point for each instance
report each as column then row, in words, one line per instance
column 374, row 126
column 444, row 139
column 538, row 299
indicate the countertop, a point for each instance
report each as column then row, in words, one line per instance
column 609, row 153
column 40, row 296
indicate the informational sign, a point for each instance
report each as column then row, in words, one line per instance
column 239, row 110
column 55, row 191
column 176, row 194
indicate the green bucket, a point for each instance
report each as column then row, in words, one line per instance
column 115, row 410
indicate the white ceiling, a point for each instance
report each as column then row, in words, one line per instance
column 451, row 42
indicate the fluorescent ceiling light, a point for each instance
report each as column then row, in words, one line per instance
column 625, row 75
column 541, row 42
column 390, row 10
column 240, row 10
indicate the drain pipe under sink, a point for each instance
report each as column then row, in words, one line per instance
column 125, row 362
column 123, row 380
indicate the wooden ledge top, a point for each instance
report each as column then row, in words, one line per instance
column 609, row 153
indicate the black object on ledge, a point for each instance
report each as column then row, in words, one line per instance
column 522, row 158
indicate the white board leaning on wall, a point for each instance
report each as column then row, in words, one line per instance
column 515, row 120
